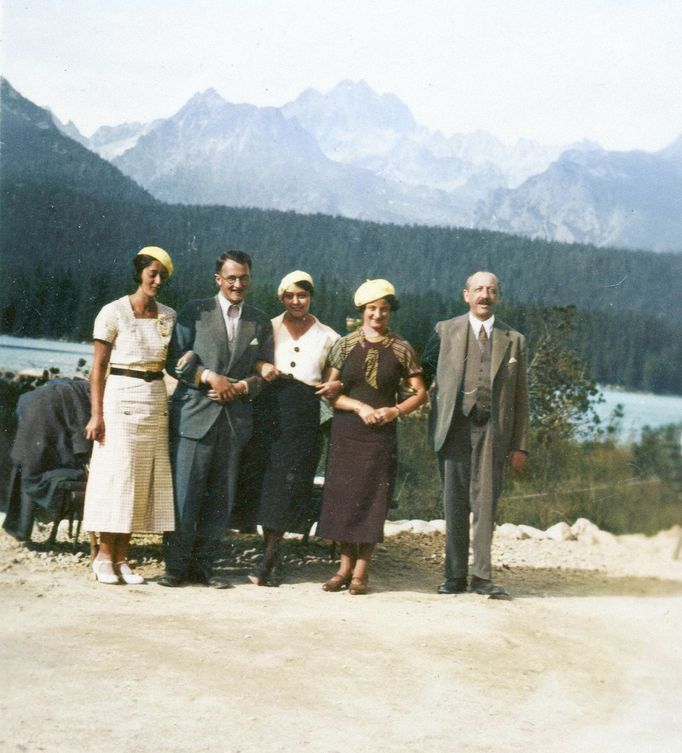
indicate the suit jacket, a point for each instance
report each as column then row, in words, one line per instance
column 444, row 357
column 200, row 328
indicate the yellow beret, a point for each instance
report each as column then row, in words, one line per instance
column 291, row 279
column 160, row 255
column 372, row 290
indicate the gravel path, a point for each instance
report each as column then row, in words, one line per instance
column 585, row 658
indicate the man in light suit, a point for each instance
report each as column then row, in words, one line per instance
column 479, row 417
column 216, row 344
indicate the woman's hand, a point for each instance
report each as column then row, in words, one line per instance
column 386, row 415
column 185, row 363
column 330, row 389
column 268, row 371
column 94, row 430
column 377, row 417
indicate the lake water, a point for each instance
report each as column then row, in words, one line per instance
column 28, row 354
column 640, row 409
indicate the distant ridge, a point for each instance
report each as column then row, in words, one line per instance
column 356, row 153
column 67, row 235
column 61, row 200
column 34, row 150
column 631, row 199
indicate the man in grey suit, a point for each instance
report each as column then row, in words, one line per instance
column 479, row 417
column 216, row 345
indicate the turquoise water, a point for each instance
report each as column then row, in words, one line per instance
column 28, row 354
column 640, row 409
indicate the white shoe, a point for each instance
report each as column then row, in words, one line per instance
column 127, row 575
column 100, row 568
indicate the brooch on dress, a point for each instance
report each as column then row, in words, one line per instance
column 164, row 325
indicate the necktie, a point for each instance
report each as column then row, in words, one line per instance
column 232, row 321
column 483, row 389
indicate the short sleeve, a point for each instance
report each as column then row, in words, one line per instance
column 341, row 349
column 106, row 325
column 335, row 356
column 407, row 358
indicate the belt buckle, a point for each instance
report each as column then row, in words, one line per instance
column 148, row 376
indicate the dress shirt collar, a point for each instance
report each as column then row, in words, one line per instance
column 477, row 324
column 225, row 306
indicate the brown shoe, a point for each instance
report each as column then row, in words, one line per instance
column 337, row 582
column 358, row 587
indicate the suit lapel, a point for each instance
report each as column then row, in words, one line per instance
column 500, row 347
column 459, row 350
column 246, row 333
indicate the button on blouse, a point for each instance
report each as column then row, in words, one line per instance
column 305, row 358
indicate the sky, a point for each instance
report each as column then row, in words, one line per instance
column 550, row 70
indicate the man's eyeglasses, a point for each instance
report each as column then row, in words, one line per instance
column 231, row 279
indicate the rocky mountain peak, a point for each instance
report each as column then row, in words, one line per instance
column 350, row 106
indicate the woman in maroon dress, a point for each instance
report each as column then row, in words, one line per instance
column 375, row 367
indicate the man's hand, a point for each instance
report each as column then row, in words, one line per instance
column 222, row 389
column 518, row 458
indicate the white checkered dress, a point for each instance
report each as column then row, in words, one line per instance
column 129, row 487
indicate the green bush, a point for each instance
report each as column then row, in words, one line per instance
column 659, row 454
column 562, row 481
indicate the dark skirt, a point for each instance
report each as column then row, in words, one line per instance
column 293, row 443
column 359, row 479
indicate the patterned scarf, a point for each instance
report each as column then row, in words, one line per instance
column 402, row 350
column 372, row 358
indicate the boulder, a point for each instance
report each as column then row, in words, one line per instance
column 560, row 532
column 436, row 526
column 419, row 526
column 510, row 531
column 588, row 533
column 532, row 533
column 394, row 527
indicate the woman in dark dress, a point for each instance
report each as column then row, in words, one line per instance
column 375, row 367
column 289, row 414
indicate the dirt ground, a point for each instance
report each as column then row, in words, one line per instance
column 586, row 658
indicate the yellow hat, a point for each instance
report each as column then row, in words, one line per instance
column 291, row 279
column 372, row 290
column 160, row 255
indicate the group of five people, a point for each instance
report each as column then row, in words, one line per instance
column 225, row 353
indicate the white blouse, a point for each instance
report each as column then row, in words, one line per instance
column 305, row 358
column 136, row 343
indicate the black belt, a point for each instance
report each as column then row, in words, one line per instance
column 148, row 376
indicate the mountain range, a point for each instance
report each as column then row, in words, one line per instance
column 70, row 223
column 355, row 153
column 34, row 152
column 65, row 208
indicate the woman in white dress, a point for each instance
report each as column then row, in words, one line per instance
column 129, row 485
column 290, row 410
